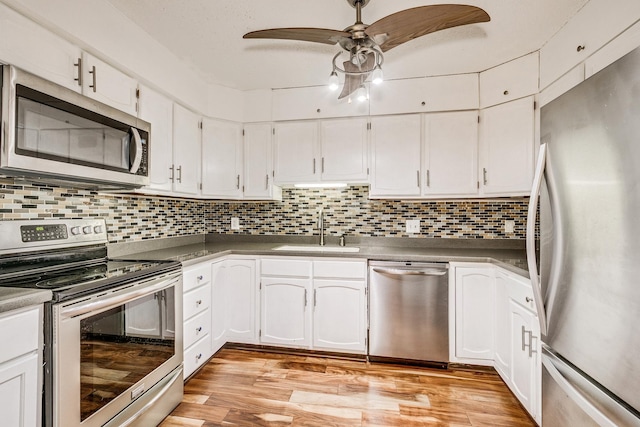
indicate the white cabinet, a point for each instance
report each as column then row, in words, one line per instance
column 433, row 155
column 197, row 316
column 21, row 367
column 474, row 299
column 395, row 156
column 512, row 80
column 285, row 309
column 258, row 163
column 158, row 110
column 241, row 300
column 339, row 306
column 502, row 355
column 218, row 305
column 185, row 170
column 450, row 154
column 221, row 159
column 507, row 148
column 108, row 85
column 29, row 46
column 613, row 51
column 317, row 102
column 439, row 93
column 295, row 152
column 343, row 144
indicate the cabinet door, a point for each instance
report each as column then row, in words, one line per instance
column 507, row 148
column 502, row 356
column 295, row 152
column 525, row 340
column 343, row 144
column 339, row 315
column 29, row 46
column 475, row 302
column 258, row 162
column 242, row 313
column 285, row 312
column 19, row 391
column 450, row 165
column 218, row 306
column 221, row 159
column 158, row 110
column 108, row 85
column 395, row 156
column 186, row 150
column 509, row 81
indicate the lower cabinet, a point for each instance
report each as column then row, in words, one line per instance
column 314, row 304
column 241, row 300
column 20, row 367
column 197, row 316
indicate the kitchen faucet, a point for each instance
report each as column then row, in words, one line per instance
column 321, row 225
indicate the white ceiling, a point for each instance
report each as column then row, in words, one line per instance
column 207, row 35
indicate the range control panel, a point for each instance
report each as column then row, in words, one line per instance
column 29, row 235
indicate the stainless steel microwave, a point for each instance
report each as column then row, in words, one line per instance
column 56, row 135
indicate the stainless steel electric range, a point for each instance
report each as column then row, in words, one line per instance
column 112, row 331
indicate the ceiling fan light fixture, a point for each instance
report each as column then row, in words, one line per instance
column 376, row 76
column 334, row 82
column 361, row 94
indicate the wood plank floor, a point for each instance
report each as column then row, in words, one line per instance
column 250, row 388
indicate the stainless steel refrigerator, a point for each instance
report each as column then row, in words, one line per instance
column 588, row 180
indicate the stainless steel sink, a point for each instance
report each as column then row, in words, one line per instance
column 320, row 249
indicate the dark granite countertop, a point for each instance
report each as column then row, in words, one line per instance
column 15, row 298
column 509, row 254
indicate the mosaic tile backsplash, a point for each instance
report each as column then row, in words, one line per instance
column 347, row 211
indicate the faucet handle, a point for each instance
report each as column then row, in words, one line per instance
column 342, row 243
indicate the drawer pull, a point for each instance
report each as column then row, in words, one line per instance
column 528, row 299
column 200, row 277
column 198, row 356
column 199, row 302
column 199, row 329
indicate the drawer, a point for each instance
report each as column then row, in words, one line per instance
column 19, row 332
column 196, row 355
column 340, row 269
column 197, row 327
column 520, row 290
column 196, row 301
column 286, row 267
column 196, row 275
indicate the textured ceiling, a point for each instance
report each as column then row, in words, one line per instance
column 207, row 35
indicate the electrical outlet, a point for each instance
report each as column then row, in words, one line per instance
column 413, row 226
column 509, row 226
column 235, row 224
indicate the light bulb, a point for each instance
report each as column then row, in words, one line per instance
column 376, row 76
column 334, row 82
column 361, row 94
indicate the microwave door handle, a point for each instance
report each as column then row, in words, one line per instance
column 135, row 165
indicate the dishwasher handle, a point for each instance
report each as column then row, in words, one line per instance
column 403, row 272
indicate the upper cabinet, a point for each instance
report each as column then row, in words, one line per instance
column 509, row 81
column 221, row 159
column 328, row 151
column 507, row 148
column 317, row 102
column 590, row 29
column 108, row 85
column 185, row 170
column 29, row 46
column 441, row 93
column 158, row 110
column 258, row 163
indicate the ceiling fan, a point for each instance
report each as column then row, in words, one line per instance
column 365, row 43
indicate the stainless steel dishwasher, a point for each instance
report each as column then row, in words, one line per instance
column 408, row 311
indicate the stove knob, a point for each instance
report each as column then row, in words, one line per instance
column 97, row 229
column 86, row 229
column 75, row 231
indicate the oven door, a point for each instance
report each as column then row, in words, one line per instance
column 111, row 349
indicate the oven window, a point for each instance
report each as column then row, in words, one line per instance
column 121, row 346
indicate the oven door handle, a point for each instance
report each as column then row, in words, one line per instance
column 100, row 303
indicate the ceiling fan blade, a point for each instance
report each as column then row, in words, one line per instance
column 409, row 24
column 316, row 35
column 353, row 81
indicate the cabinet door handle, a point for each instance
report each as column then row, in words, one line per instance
column 172, row 175
column 322, row 166
column 315, row 296
column 238, row 182
column 180, row 174
column 200, row 302
column 93, row 74
column 314, row 166
column 484, row 175
column 266, row 182
column 418, row 178
column 305, row 297
column 428, row 179
column 198, row 329
column 198, row 356
column 79, row 65
column 200, row 277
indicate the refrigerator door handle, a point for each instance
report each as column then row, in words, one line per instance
column 531, row 239
column 574, row 394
